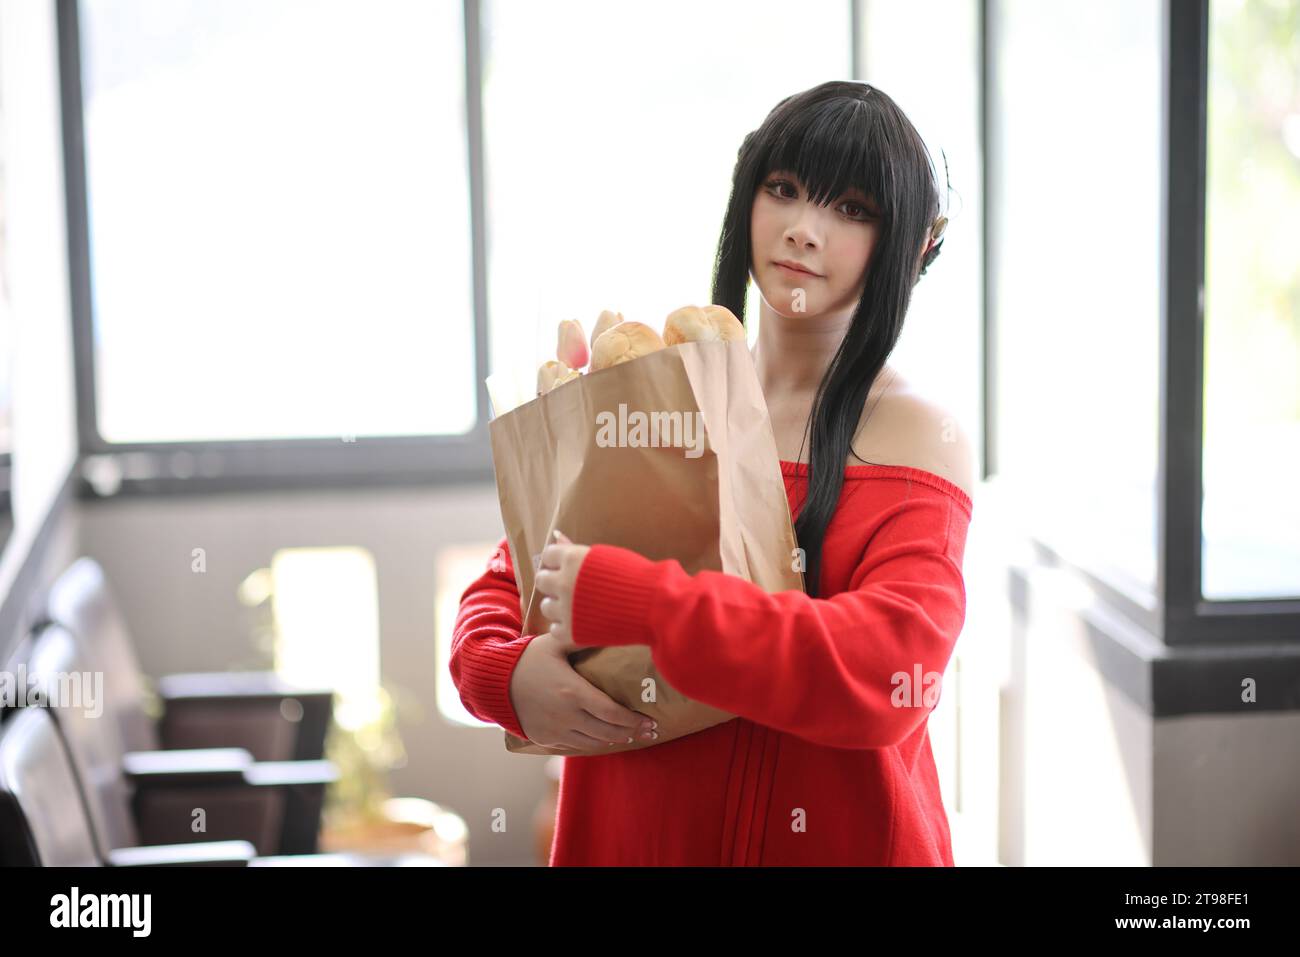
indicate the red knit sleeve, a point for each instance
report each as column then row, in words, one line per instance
column 486, row 642
column 840, row 671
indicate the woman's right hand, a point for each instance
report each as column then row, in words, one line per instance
column 558, row 708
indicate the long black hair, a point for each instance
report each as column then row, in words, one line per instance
column 834, row 137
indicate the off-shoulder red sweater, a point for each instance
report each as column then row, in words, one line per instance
column 829, row 761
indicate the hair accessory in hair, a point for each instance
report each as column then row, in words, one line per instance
column 936, row 231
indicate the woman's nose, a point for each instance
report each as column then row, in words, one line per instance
column 806, row 229
column 804, row 237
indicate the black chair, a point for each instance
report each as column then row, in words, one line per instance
column 44, row 822
column 160, row 797
column 253, row 710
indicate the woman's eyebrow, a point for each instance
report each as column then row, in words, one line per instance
column 869, row 202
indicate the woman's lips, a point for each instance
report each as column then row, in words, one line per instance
column 796, row 272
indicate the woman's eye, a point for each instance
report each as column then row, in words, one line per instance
column 857, row 210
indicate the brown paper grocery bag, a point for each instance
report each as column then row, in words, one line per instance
column 670, row 455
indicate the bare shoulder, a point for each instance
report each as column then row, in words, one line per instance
column 908, row 428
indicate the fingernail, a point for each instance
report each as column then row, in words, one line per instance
column 629, row 741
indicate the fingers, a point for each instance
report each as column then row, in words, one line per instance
column 556, row 613
column 548, row 582
column 553, row 555
column 601, row 706
column 544, row 582
column 611, row 733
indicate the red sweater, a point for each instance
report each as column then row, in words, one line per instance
column 829, row 762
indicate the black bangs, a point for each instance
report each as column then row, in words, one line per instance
column 832, row 146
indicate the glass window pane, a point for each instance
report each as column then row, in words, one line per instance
column 934, row 78
column 1251, row 513
column 611, row 131
column 279, row 218
column 1077, row 119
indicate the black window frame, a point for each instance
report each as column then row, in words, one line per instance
column 6, row 497
column 1189, row 617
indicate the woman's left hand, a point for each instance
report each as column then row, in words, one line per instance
column 555, row 579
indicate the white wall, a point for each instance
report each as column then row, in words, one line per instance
column 44, row 413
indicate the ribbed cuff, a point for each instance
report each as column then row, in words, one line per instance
column 485, row 679
column 612, row 598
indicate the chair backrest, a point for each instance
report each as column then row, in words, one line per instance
column 57, row 666
column 42, row 819
column 120, row 816
column 81, row 601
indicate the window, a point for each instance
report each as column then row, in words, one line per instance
column 611, row 131
column 278, row 216
column 1250, row 512
column 1075, row 107
column 939, row 91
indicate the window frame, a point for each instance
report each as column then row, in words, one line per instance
column 1175, row 610
column 1189, row 617
column 202, row 467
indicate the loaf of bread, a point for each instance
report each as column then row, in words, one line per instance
column 623, row 343
column 552, row 374
column 702, row 324
column 571, row 345
column 605, row 321
column 616, row 340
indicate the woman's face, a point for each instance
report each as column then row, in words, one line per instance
column 835, row 242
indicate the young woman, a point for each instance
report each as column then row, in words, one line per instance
column 834, row 214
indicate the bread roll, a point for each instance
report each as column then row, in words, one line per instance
column 622, row 343
column 606, row 321
column 707, row 324
column 571, row 344
column 553, row 374
column 730, row 329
